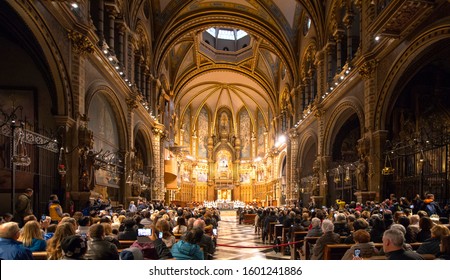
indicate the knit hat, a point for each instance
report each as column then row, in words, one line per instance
column 132, row 253
column 74, row 246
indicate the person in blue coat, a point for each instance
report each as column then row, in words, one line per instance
column 10, row 248
column 187, row 248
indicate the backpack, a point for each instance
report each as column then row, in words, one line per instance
column 430, row 209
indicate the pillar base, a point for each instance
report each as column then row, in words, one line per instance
column 363, row 196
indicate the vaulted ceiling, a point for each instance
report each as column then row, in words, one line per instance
column 202, row 73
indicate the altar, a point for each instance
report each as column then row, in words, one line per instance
column 224, row 204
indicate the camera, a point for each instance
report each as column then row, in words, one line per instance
column 357, row 252
column 214, row 231
column 160, row 235
column 144, row 231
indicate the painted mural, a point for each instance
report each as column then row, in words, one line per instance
column 245, row 133
column 203, row 133
column 186, row 126
column 261, row 130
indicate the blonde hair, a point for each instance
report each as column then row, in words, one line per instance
column 54, row 250
column 439, row 231
column 30, row 230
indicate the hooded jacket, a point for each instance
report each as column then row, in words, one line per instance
column 183, row 250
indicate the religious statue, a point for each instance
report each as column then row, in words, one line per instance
column 361, row 175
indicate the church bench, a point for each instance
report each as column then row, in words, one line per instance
column 249, row 219
column 297, row 236
column 337, row 251
column 41, row 255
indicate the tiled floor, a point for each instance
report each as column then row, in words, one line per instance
column 244, row 237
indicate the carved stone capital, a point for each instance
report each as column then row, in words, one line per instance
column 132, row 103
column 80, row 43
column 367, row 69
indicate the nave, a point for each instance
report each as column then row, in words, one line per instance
column 231, row 233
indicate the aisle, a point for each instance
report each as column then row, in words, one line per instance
column 231, row 233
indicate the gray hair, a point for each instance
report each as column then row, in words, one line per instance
column 9, row 230
column 315, row 222
column 327, row 226
column 399, row 227
column 395, row 236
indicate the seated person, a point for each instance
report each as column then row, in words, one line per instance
column 431, row 246
column 187, row 248
column 328, row 237
column 362, row 243
column 393, row 241
column 74, row 247
column 10, row 248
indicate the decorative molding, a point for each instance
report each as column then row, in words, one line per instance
column 367, row 69
column 131, row 103
column 80, row 43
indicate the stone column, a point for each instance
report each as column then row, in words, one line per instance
column 348, row 21
column 100, row 24
column 338, row 34
column 120, row 52
column 320, row 72
column 329, row 50
column 112, row 13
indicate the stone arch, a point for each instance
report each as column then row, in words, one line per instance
column 62, row 92
column 116, row 106
column 340, row 114
column 436, row 36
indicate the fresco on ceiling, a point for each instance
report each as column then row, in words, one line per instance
column 245, row 133
column 261, row 129
column 186, row 126
column 203, row 133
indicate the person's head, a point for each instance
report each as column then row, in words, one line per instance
column 360, row 224
column 70, row 221
column 439, row 231
column 193, row 236
column 53, row 197
column 29, row 191
column 96, row 231
column 414, row 220
column 393, row 240
column 399, row 227
column 327, row 226
column 132, row 253
column 430, row 196
column 404, row 221
column 425, row 223
column 181, row 221
column 30, row 230
column 340, row 218
column 84, row 221
column 445, row 245
column 28, row 218
column 163, row 226
column 7, row 217
column 108, row 228
column 74, row 247
column 199, row 223
column 361, row 236
column 10, row 230
column 129, row 223
column 315, row 222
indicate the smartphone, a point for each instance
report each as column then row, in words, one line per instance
column 357, row 252
column 411, row 206
column 144, row 231
column 43, row 218
column 84, row 235
column 214, row 231
column 160, row 235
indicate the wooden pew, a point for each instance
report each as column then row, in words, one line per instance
column 271, row 232
column 337, row 251
column 308, row 242
column 296, row 237
column 125, row 244
column 249, row 219
column 42, row 255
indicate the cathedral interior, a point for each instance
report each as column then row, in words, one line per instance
column 256, row 102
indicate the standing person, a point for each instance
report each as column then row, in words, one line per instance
column 430, row 206
column 132, row 208
column 54, row 209
column 10, row 248
column 23, row 206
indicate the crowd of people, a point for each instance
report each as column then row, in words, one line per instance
column 396, row 223
column 153, row 231
column 162, row 232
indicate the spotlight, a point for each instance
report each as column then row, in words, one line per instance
column 110, row 58
column 117, row 67
column 336, row 83
column 121, row 73
column 342, row 77
column 377, row 38
column 347, row 71
column 105, row 51
column 74, row 5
